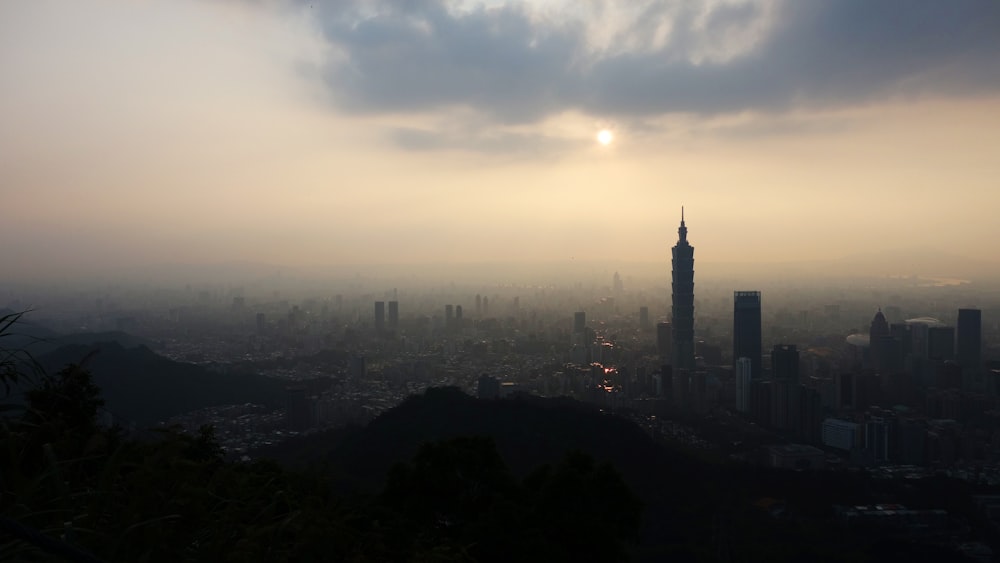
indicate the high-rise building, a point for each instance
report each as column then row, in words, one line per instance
column 784, row 389
column 663, row 336
column 785, row 362
column 644, row 317
column 579, row 321
column 969, row 338
column 393, row 314
column 941, row 343
column 744, row 373
column 682, row 297
column 379, row 315
column 747, row 331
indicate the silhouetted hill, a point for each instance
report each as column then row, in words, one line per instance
column 693, row 509
column 529, row 432
column 140, row 386
column 24, row 334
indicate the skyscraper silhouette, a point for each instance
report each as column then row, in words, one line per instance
column 747, row 331
column 393, row 314
column 970, row 338
column 379, row 315
column 969, row 346
column 682, row 289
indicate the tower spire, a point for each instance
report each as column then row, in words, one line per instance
column 682, row 299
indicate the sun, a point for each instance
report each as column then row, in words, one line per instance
column 605, row 137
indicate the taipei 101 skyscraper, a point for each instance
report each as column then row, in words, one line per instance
column 682, row 289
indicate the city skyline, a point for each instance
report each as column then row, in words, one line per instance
column 312, row 135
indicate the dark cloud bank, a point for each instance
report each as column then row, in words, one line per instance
column 408, row 56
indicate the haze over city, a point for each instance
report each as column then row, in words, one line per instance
column 332, row 134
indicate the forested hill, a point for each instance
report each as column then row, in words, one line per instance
column 692, row 508
column 142, row 387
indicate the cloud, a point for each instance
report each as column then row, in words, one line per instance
column 518, row 62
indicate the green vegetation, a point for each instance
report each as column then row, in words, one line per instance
column 73, row 489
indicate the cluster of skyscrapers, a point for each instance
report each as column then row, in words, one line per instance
column 893, row 361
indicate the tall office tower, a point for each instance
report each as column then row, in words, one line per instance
column 579, row 321
column 747, row 331
column 663, row 336
column 785, row 362
column 643, row 317
column 879, row 326
column 744, row 373
column 879, row 343
column 479, row 305
column 784, row 389
column 393, row 314
column 682, row 294
column 616, row 283
column 486, row 305
column 449, row 314
column 941, row 343
column 969, row 338
column 458, row 314
column 904, row 334
column 379, row 315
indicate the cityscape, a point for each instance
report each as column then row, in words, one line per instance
column 500, row 280
column 804, row 384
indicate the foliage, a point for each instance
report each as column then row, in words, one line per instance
column 13, row 359
column 70, row 485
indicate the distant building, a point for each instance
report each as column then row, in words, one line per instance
column 876, row 441
column 840, row 434
column 744, row 379
column 969, row 345
column 682, row 298
column 644, row 317
column 785, row 362
column 394, row 314
column 488, row 388
column 941, row 343
column 796, row 456
column 663, row 340
column 747, row 330
column 785, row 410
column 579, row 322
column 379, row 315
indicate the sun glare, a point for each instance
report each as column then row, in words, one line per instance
column 605, row 137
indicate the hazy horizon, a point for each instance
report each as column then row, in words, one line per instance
column 320, row 136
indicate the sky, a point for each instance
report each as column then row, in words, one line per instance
column 317, row 134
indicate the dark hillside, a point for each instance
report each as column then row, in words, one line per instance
column 142, row 387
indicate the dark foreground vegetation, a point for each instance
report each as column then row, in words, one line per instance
column 442, row 477
column 80, row 492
